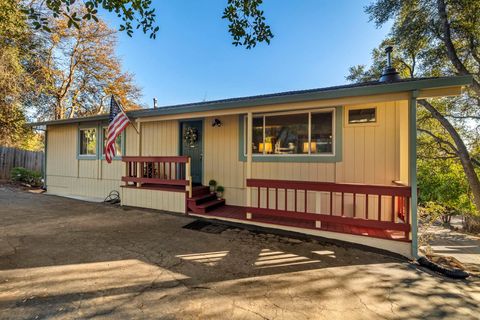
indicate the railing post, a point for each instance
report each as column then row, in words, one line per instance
column 188, row 177
column 139, row 172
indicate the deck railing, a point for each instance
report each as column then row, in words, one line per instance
column 368, row 206
column 157, row 171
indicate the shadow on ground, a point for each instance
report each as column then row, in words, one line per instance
column 63, row 258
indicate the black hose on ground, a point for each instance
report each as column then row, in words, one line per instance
column 453, row 273
column 113, row 197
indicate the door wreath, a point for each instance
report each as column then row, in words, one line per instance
column 191, row 136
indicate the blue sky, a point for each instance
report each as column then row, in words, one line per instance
column 192, row 59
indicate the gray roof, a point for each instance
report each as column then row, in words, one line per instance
column 349, row 90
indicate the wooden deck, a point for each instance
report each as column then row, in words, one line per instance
column 239, row 213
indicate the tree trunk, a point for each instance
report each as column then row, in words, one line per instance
column 461, row 151
column 472, row 224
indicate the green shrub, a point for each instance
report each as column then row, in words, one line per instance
column 33, row 178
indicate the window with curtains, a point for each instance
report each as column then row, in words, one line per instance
column 293, row 133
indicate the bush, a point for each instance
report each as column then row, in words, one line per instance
column 33, row 178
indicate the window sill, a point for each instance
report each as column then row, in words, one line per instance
column 86, row 157
column 328, row 158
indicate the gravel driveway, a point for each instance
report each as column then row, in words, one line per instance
column 68, row 259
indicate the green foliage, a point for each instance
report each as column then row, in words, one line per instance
column 443, row 182
column 33, row 178
column 212, row 183
column 134, row 14
column 437, row 38
column 247, row 23
column 220, row 189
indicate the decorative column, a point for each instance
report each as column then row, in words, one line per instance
column 412, row 168
column 249, row 159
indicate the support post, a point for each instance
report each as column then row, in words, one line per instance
column 139, row 148
column 249, row 158
column 188, row 176
column 412, row 168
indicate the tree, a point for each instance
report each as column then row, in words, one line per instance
column 246, row 21
column 82, row 71
column 438, row 38
column 19, row 74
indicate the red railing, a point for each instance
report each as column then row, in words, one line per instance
column 157, row 170
column 368, row 206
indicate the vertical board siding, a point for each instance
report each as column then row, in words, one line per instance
column 160, row 138
column 372, row 154
column 154, row 199
column 221, row 160
column 12, row 157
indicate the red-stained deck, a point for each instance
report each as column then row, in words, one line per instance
column 239, row 213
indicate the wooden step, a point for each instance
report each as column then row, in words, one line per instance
column 209, row 206
column 197, row 200
column 200, row 190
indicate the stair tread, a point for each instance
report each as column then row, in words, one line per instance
column 210, row 203
column 201, row 197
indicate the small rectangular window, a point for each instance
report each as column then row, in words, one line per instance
column 88, row 142
column 118, row 143
column 362, row 115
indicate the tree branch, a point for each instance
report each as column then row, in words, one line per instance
column 450, row 48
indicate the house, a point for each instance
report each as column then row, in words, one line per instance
column 336, row 162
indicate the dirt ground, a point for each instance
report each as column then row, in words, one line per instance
column 67, row 259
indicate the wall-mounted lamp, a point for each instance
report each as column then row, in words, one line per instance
column 216, row 123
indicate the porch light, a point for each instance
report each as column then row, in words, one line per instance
column 313, row 147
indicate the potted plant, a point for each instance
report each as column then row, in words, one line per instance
column 220, row 191
column 212, row 184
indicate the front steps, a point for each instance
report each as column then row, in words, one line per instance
column 202, row 201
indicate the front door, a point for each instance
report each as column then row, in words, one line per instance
column 191, row 144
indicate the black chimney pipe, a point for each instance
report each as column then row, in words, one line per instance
column 390, row 74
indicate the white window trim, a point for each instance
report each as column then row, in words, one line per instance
column 309, row 112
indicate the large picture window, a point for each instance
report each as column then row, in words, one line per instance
column 118, row 143
column 293, row 133
column 88, row 142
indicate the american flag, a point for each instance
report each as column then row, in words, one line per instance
column 117, row 122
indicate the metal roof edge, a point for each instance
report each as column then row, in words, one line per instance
column 287, row 97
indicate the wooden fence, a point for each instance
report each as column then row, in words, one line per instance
column 12, row 157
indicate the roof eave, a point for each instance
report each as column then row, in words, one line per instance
column 393, row 87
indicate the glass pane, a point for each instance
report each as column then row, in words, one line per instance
column 118, row 143
column 362, row 115
column 286, row 134
column 322, row 133
column 88, row 141
column 257, row 136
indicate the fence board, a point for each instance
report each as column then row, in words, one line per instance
column 13, row 157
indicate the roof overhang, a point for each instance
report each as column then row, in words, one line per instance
column 425, row 87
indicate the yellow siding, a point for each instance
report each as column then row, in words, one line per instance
column 154, row 199
column 62, row 151
column 372, row 154
column 160, row 138
column 221, row 159
column 68, row 176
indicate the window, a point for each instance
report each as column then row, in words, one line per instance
column 88, row 142
column 300, row 133
column 118, row 143
column 362, row 115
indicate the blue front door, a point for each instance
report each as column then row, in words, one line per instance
column 191, row 144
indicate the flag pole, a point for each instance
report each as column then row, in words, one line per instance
column 123, row 110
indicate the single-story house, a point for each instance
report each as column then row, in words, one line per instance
column 336, row 162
